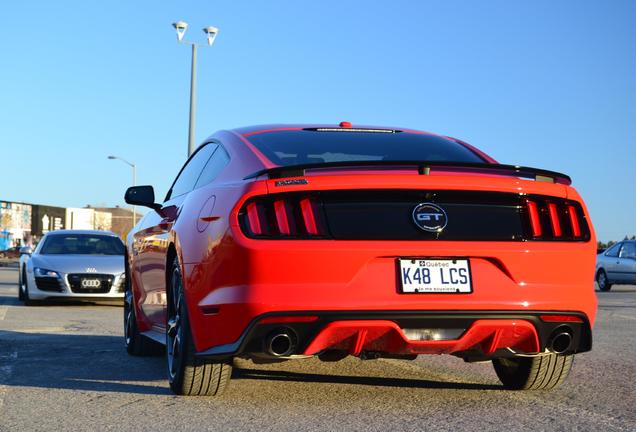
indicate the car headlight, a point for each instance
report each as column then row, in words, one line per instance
column 40, row 272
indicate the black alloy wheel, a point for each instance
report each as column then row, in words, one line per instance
column 174, row 328
column 187, row 374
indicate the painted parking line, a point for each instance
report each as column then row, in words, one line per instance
column 3, row 312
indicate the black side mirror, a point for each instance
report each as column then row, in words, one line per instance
column 142, row 196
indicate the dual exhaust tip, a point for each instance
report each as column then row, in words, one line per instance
column 281, row 342
column 561, row 340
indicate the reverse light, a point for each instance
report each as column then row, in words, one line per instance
column 432, row 334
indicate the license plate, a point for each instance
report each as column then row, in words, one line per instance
column 424, row 275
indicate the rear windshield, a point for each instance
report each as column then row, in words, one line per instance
column 82, row 244
column 297, row 147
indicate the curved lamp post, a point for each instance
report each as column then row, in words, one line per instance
column 134, row 173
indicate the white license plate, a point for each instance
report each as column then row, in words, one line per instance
column 424, row 275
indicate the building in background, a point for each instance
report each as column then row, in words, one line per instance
column 88, row 218
column 25, row 224
column 121, row 219
column 46, row 218
column 15, row 224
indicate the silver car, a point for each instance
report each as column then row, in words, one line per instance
column 616, row 265
column 73, row 264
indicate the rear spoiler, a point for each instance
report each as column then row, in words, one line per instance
column 423, row 168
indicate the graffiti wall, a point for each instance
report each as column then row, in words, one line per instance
column 15, row 224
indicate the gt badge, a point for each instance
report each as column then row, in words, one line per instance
column 430, row 217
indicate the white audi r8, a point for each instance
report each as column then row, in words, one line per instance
column 73, row 264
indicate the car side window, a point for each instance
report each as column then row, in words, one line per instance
column 613, row 251
column 213, row 168
column 189, row 174
column 628, row 251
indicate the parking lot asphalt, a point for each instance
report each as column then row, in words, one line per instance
column 64, row 367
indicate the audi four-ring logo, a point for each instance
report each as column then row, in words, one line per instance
column 91, row 283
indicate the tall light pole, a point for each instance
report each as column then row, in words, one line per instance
column 134, row 183
column 211, row 32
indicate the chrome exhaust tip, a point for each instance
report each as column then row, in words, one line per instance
column 281, row 343
column 561, row 342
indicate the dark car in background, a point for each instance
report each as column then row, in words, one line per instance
column 13, row 252
column 616, row 265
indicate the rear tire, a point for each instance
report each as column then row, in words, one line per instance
column 187, row 374
column 602, row 281
column 533, row 373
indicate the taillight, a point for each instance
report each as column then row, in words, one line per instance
column 290, row 216
column 554, row 219
column 253, row 218
column 309, row 217
column 282, row 220
column 535, row 223
column 574, row 221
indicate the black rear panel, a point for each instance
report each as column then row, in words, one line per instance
column 389, row 215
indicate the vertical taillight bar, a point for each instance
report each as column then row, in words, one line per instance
column 574, row 221
column 253, row 219
column 280, row 209
column 535, row 222
column 309, row 217
column 554, row 220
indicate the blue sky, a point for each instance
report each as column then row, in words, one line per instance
column 543, row 83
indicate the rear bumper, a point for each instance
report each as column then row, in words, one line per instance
column 484, row 334
column 256, row 278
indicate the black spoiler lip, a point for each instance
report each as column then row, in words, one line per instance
column 423, row 168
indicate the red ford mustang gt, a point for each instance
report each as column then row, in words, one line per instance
column 284, row 242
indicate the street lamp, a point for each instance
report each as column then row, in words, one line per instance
column 211, row 32
column 134, row 172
